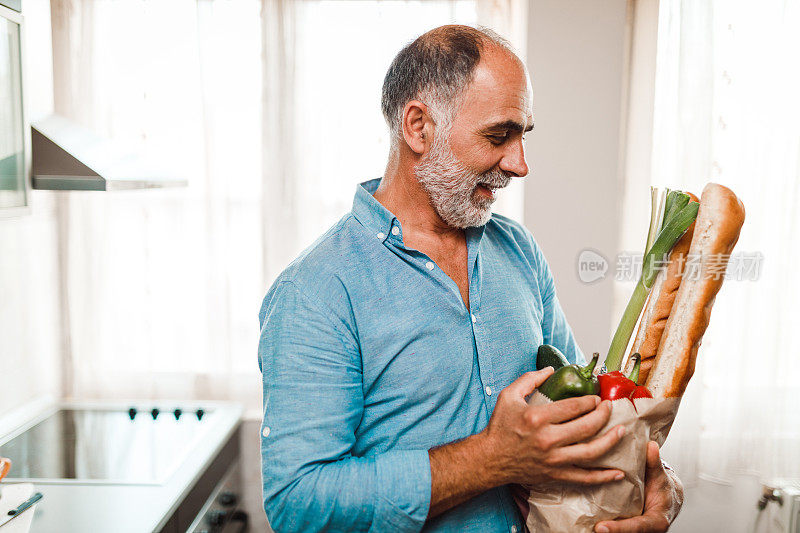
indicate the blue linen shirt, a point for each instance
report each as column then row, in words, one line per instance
column 370, row 358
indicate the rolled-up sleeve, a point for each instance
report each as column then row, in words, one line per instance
column 313, row 403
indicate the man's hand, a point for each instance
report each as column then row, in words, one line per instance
column 531, row 445
column 524, row 444
column 663, row 497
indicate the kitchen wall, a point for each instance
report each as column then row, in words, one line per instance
column 29, row 334
column 730, row 507
column 28, row 307
column 29, row 301
column 576, row 59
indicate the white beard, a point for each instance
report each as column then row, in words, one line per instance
column 452, row 186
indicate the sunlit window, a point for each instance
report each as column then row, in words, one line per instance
column 166, row 285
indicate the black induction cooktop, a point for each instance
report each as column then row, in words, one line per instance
column 125, row 446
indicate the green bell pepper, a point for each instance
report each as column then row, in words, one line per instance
column 571, row 381
column 550, row 356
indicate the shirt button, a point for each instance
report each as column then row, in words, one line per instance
column 429, row 265
column 395, row 230
column 488, row 391
column 473, row 318
column 381, row 235
column 513, row 529
column 266, row 431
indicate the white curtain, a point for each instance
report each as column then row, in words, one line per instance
column 161, row 285
column 271, row 110
column 727, row 110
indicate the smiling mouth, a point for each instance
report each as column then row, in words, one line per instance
column 487, row 190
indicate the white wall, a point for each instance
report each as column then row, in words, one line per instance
column 710, row 506
column 29, row 327
column 28, row 304
column 576, row 59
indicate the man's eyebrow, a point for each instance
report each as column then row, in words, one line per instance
column 511, row 125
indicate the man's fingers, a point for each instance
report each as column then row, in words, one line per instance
column 586, row 476
column 653, row 456
column 527, row 382
column 584, row 427
column 647, row 523
column 564, row 410
column 655, row 469
column 589, row 451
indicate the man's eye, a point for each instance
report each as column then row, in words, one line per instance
column 498, row 139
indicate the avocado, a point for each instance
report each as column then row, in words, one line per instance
column 550, row 356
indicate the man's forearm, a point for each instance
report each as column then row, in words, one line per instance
column 461, row 470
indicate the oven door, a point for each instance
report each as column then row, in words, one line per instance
column 221, row 513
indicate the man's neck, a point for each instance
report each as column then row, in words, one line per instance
column 401, row 193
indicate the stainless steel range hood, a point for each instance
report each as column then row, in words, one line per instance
column 67, row 156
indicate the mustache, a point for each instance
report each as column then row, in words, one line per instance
column 496, row 179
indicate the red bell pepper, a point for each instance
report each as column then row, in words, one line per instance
column 640, row 391
column 614, row 385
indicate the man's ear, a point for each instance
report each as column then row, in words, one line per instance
column 417, row 126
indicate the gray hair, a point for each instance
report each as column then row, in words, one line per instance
column 435, row 68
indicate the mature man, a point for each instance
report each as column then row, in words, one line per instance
column 397, row 351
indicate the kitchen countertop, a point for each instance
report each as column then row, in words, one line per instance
column 85, row 506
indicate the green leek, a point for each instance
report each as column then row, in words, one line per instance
column 676, row 200
column 654, row 227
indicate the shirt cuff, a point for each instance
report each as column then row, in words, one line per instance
column 403, row 505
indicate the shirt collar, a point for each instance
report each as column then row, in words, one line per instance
column 371, row 213
column 380, row 221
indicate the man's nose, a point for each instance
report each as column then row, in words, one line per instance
column 513, row 161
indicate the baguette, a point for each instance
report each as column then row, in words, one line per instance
column 716, row 232
column 659, row 305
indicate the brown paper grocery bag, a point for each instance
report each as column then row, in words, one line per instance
column 560, row 507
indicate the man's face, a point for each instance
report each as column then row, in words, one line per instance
column 484, row 147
